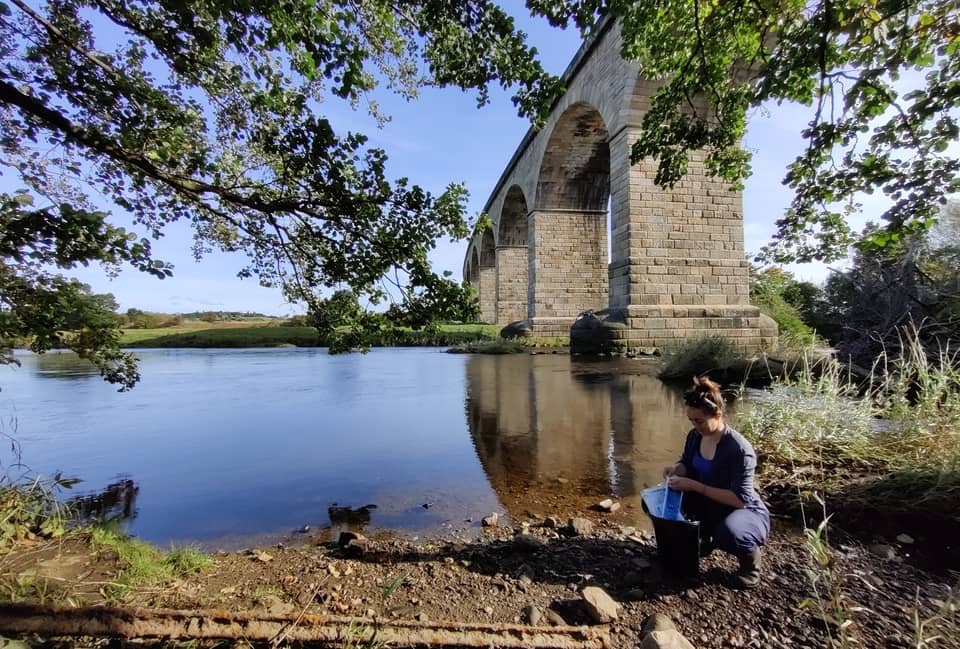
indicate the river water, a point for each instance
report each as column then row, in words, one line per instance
column 229, row 447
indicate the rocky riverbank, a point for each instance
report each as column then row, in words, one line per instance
column 541, row 572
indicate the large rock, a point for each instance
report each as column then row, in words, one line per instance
column 517, row 329
column 659, row 632
column 348, row 537
column 579, row 527
column 670, row 639
column 598, row 332
column 600, row 606
column 532, row 615
column 656, row 622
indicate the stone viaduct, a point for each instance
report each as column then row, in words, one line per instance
column 676, row 266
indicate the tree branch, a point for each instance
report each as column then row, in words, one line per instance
column 55, row 120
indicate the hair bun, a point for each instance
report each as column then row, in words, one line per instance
column 705, row 395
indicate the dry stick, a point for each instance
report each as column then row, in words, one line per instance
column 133, row 623
column 284, row 633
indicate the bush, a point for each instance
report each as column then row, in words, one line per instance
column 779, row 295
column 696, row 356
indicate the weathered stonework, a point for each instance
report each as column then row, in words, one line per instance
column 511, row 280
column 487, row 290
column 677, row 267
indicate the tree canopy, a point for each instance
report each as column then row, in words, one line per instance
column 213, row 112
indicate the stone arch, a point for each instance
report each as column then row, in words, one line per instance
column 512, row 257
column 487, row 250
column 568, row 258
column 487, row 276
column 575, row 169
column 512, row 229
column 473, row 267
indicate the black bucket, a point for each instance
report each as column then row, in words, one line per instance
column 678, row 545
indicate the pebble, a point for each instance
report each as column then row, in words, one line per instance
column 532, row 615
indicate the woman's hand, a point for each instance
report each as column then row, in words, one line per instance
column 678, row 483
column 674, row 470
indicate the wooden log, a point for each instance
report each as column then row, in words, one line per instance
column 169, row 624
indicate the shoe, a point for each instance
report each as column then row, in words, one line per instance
column 749, row 574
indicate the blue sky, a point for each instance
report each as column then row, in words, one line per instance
column 439, row 138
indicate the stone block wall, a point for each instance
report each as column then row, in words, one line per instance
column 568, row 270
column 512, row 272
column 487, row 290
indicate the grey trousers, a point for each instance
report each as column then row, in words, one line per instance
column 737, row 531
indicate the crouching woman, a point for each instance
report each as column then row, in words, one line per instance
column 716, row 472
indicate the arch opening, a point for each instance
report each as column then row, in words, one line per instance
column 512, row 258
column 575, row 172
column 570, row 226
column 487, row 277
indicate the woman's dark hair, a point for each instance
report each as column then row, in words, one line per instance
column 705, row 395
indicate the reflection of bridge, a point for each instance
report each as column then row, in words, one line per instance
column 678, row 266
column 534, row 419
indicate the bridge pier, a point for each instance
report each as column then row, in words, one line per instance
column 568, row 267
column 512, row 273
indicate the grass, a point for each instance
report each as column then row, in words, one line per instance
column 508, row 346
column 236, row 335
column 263, row 336
column 890, row 447
column 144, row 564
column 881, row 458
column 498, row 346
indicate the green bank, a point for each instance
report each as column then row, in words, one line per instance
column 276, row 336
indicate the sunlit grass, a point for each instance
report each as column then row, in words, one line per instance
column 892, row 445
column 143, row 564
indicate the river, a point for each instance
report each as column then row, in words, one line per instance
column 227, row 448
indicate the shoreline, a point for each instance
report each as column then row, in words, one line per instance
column 533, row 572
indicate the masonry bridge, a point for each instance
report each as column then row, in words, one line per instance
column 576, row 227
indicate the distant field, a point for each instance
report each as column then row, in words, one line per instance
column 242, row 336
column 267, row 334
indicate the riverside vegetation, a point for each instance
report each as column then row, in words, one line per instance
column 884, row 453
column 817, row 440
column 273, row 335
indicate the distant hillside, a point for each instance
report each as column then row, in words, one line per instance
column 226, row 315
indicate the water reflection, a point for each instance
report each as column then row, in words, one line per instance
column 63, row 365
column 546, row 426
column 117, row 502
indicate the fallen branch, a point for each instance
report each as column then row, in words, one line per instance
column 167, row 624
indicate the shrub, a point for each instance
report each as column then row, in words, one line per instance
column 696, row 356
